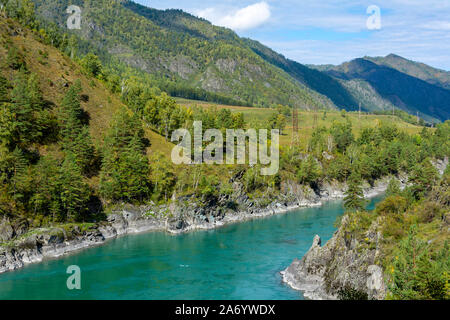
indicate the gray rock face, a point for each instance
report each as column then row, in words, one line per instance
column 440, row 165
column 184, row 66
column 6, row 230
column 375, row 282
column 342, row 263
column 53, row 243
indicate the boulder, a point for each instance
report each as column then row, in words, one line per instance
column 6, row 230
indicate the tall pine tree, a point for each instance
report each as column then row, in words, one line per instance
column 75, row 135
column 74, row 191
column 27, row 104
column 125, row 169
column 46, row 183
column 354, row 196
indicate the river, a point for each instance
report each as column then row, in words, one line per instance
column 240, row 261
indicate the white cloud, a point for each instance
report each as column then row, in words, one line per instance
column 246, row 18
column 333, row 31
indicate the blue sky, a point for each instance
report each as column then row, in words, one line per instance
column 333, row 31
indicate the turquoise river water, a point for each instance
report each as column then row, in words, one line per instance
column 240, row 261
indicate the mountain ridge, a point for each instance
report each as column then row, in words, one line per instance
column 406, row 92
column 191, row 58
column 415, row 69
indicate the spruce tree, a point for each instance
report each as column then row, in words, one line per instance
column 417, row 272
column 423, row 178
column 84, row 152
column 75, row 136
column 70, row 114
column 14, row 59
column 125, row 170
column 27, row 104
column 8, row 125
column 136, row 170
column 22, row 111
column 46, row 184
column 74, row 191
column 20, row 177
column 354, row 196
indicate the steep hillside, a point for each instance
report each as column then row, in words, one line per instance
column 402, row 90
column 314, row 79
column 56, row 72
column 183, row 55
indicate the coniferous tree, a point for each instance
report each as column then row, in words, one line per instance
column 125, row 170
column 415, row 274
column 74, row 191
column 309, row 171
column 46, row 183
column 20, row 177
column 35, row 97
column 85, row 152
column 8, row 125
column 76, row 137
column 92, row 65
column 136, row 170
column 26, row 106
column 342, row 135
column 22, row 111
column 354, row 196
column 14, row 59
column 423, row 178
column 70, row 113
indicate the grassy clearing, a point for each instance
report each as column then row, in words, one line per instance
column 307, row 119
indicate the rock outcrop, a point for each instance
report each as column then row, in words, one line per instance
column 346, row 262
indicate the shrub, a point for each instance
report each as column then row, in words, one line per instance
column 349, row 293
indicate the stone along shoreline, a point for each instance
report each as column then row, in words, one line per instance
column 181, row 216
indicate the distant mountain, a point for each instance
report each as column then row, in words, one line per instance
column 415, row 69
column 316, row 80
column 380, row 82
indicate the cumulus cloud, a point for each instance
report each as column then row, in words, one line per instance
column 333, row 31
column 246, row 18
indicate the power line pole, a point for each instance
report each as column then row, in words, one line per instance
column 294, row 125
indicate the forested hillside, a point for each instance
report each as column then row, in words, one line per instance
column 183, row 55
column 189, row 57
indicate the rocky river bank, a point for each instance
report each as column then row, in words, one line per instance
column 346, row 264
column 20, row 246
